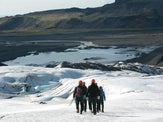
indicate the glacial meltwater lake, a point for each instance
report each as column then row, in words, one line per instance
column 107, row 55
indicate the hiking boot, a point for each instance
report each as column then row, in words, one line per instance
column 77, row 111
column 80, row 112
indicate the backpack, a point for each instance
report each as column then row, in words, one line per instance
column 93, row 91
column 101, row 92
column 79, row 92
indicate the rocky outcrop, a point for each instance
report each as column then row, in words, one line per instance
column 136, row 67
column 153, row 58
column 89, row 65
column 1, row 64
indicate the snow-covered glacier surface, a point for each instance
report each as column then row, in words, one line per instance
column 37, row 94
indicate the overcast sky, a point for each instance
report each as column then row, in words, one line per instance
column 13, row 7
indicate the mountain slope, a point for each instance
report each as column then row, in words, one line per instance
column 121, row 14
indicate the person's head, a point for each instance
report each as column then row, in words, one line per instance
column 93, row 81
column 80, row 82
column 100, row 87
column 83, row 83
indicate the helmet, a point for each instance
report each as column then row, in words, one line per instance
column 93, row 81
column 80, row 82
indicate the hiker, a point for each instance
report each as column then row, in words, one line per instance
column 85, row 97
column 98, row 100
column 92, row 96
column 101, row 98
column 78, row 95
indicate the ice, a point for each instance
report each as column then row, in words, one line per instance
column 130, row 96
column 105, row 55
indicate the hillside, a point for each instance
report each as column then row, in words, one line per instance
column 123, row 14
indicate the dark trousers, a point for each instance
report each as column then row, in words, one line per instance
column 85, row 105
column 92, row 103
column 100, row 105
column 79, row 101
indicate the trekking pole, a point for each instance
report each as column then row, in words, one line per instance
column 71, row 101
